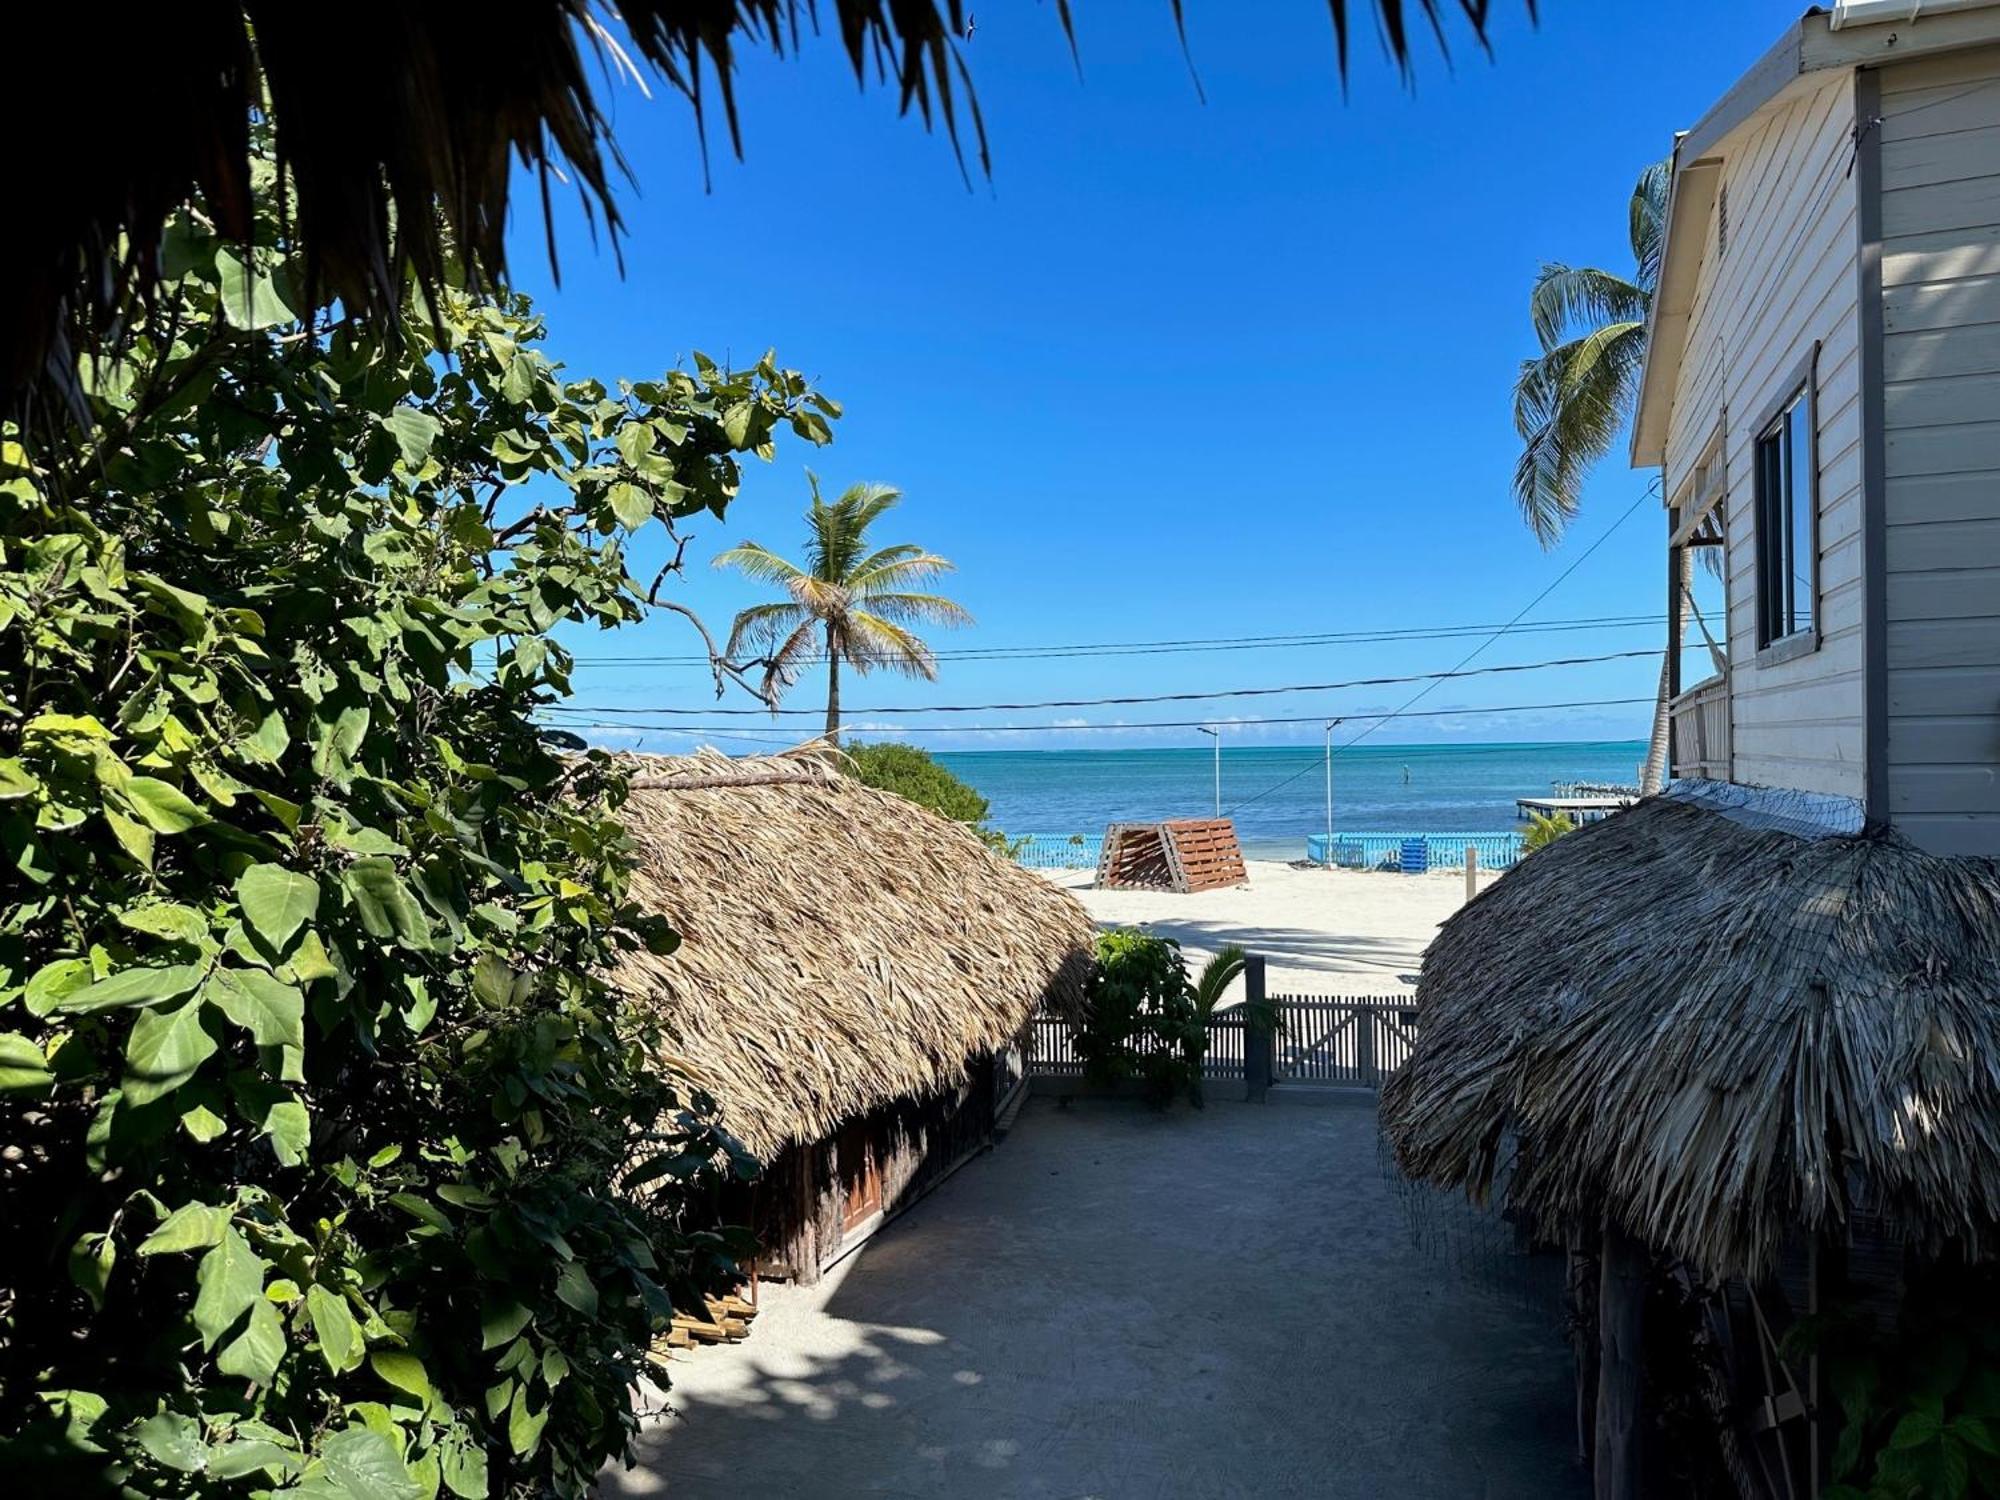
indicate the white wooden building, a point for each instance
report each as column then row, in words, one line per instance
column 1822, row 394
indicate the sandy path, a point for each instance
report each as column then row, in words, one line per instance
column 1349, row 932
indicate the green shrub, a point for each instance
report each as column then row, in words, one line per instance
column 916, row 775
column 1141, row 1020
column 333, row 1166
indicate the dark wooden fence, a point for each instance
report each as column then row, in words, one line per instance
column 1351, row 1040
column 1051, row 1055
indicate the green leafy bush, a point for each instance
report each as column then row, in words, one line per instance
column 1919, row 1403
column 917, row 775
column 1141, row 1019
column 333, row 1165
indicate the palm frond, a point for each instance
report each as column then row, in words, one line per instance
column 917, row 566
column 761, row 626
column 918, row 609
column 1568, row 300
column 870, row 641
column 1649, row 220
column 793, row 654
column 754, row 560
column 1216, row 977
column 1568, row 406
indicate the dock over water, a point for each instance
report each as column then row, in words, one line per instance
column 1576, row 809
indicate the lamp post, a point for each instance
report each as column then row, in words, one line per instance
column 1331, row 725
column 1216, row 735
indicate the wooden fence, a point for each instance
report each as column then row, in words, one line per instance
column 1051, row 1053
column 1342, row 1039
column 1351, row 1040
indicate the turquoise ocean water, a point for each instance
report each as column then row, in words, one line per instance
column 1277, row 794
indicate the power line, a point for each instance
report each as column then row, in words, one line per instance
column 626, row 726
column 1650, row 492
column 1174, row 647
column 1261, row 692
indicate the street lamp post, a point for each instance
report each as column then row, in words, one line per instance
column 1216, row 735
column 1331, row 725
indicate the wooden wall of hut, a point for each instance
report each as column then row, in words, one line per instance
column 817, row 1199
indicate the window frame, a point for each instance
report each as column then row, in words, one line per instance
column 1801, row 385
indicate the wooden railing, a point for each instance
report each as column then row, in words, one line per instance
column 1700, row 720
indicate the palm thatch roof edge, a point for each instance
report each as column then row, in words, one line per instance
column 1717, row 1035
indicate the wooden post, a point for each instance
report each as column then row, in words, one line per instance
column 1471, row 871
column 1621, row 1373
column 1259, row 1043
column 1364, row 1044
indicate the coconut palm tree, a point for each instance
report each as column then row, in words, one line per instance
column 1572, row 400
column 847, row 604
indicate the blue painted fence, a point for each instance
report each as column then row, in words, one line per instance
column 1060, row 851
column 1442, row 851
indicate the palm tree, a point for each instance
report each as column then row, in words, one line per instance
column 847, row 604
column 1572, row 399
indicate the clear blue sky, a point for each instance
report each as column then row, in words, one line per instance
column 1181, row 369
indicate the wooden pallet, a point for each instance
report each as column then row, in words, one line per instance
column 1185, row 854
column 724, row 1320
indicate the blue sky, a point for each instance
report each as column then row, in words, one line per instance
column 1181, row 369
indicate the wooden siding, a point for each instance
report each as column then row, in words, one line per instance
column 1941, row 401
column 1786, row 280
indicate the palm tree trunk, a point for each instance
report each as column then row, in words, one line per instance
column 832, row 689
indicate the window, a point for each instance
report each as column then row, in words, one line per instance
column 1787, row 549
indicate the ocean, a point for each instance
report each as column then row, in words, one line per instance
column 1277, row 793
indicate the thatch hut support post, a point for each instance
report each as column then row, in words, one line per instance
column 1582, row 1283
column 1259, row 1042
column 1621, row 1371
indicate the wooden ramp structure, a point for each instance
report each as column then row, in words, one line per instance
column 1186, row 854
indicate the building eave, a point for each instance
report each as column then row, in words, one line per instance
column 1812, row 44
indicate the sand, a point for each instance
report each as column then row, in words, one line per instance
column 1339, row 932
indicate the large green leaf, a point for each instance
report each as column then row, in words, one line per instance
column 251, row 296
column 334, row 1327
column 403, row 1370
column 192, row 1226
column 272, row 1011
column 276, row 902
column 414, row 431
column 256, row 1352
column 173, row 1440
column 23, row 1068
column 164, row 1050
column 161, row 806
column 383, row 901
column 166, row 919
column 143, row 986
column 364, row 1465
column 288, row 1127
column 229, row 1279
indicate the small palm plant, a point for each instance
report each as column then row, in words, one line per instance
column 1544, row 829
column 846, row 605
column 1217, row 975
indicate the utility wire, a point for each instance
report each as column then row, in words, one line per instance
column 1261, row 692
column 1172, row 647
column 626, row 726
column 1377, row 721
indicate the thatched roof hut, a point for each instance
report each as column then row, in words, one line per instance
column 841, row 948
column 1715, row 1034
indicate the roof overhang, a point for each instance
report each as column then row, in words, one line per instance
column 1857, row 34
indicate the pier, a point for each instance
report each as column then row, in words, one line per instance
column 1576, row 809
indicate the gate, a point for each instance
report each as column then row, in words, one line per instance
column 1356, row 1040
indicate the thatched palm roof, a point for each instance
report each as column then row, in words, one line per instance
column 841, row 947
column 399, row 125
column 1716, row 1033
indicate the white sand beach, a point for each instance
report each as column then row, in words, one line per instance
column 1348, row 932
